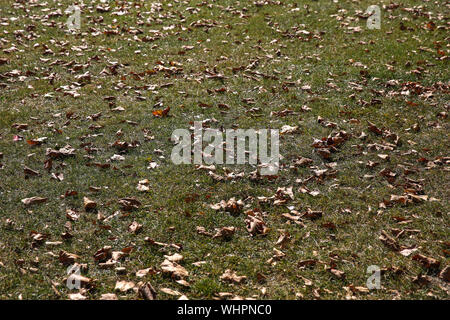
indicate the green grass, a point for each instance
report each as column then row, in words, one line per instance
column 244, row 32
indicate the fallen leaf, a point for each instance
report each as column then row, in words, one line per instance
column 225, row 233
column 256, row 226
column 134, row 227
column 176, row 257
column 174, row 269
column 230, row 276
column 170, row 292
column 33, row 200
column 67, row 258
column 445, row 274
column 76, row 296
column 124, row 286
column 108, row 296
column 427, row 262
column 143, row 272
column 389, row 241
column 147, row 292
column 89, row 204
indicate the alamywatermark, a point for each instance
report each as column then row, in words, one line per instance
column 74, row 21
column 225, row 309
column 374, row 20
column 251, row 147
column 374, row 280
column 73, row 280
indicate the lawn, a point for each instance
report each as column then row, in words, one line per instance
column 87, row 180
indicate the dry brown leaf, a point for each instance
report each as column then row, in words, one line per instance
column 134, row 227
column 337, row 273
column 176, row 257
column 283, row 239
column 129, row 204
column 183, row 283
column 76, row 296
column 85, row 282
column 89, row 204
column 445, row 274
column 103, row 254
column 202, row 230
column 232, row 206
column 142, row 188
column 108, row 296
column 427, row 262
column 256, row 226
column 313, row 215
column 287, row 129
column 33, row 200
column 170, row 292
column 174, row 269
column 67, row 258
column 225, row 233
column 232, row 277
column 147, row 292
column 143, row 272
column 389, row 241
column 124, row 286
column 72, row 215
